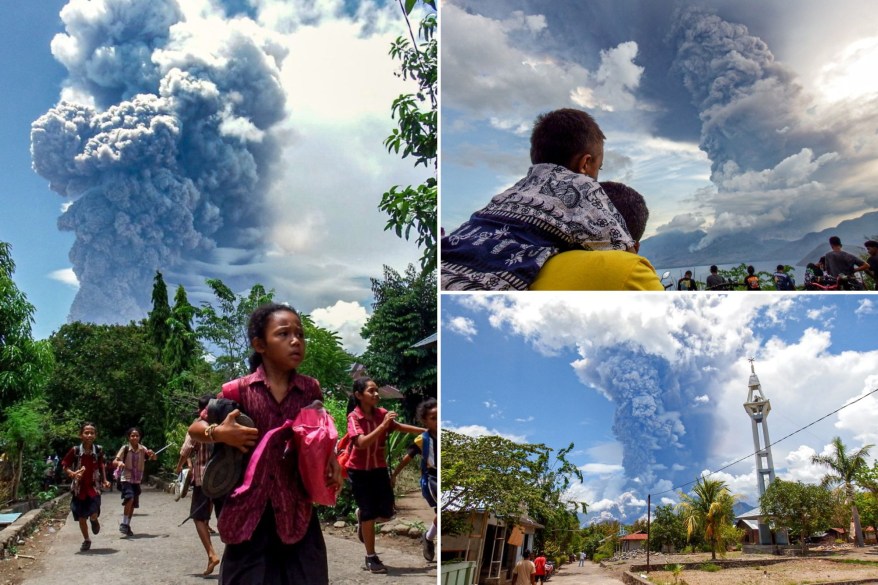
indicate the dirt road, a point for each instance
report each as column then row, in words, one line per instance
column 590, row 574
column 161, row 552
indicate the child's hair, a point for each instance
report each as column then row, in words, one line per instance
column 750, row 270
column 131, row 430
column 630, row 204
column 87, row 423
column 358, row 387
column 425, row 407
column 204, row 400
column 563, row 134
column 256, row 327
column 835, row 241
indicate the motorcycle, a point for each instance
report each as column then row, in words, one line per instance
column 832, row 283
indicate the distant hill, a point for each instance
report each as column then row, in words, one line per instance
column 672, row 250
column 741, row 507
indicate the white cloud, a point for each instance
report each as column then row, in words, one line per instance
column 601, row 468
column 347, row 319
column 506, row 65
column 476, row 431
column 463, row 326
column 866, row 307
column 65, row 275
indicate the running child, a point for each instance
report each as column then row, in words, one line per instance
column 200, row 507
column 131, row 460
column 559, row 205
column 368, row 427
column 270, row 529
column 84, row 465
column 428, row 414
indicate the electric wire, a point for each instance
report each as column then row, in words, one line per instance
column 800, row 429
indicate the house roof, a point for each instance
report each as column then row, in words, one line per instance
column 751, row 524
column 635, row 536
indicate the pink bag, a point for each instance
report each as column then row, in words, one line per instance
column 315, row 436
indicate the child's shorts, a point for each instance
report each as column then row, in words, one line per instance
column 131, row 491
column 428, row 489
column 85, row 507
column 200, row 507
column 372, row 492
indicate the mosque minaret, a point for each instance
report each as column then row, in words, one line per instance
column 758, row 407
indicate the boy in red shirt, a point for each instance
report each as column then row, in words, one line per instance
column 84, row 465
column 540, row 566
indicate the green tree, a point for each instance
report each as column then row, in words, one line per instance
column 667, row 532
column 182, row 348
column 560, row 518
column 510, row 478
column 157, row 319
column 325, row 358
column 415, row 135
column 844, row 467
column 803, row 508
column 25, row 434
column 25, row 364
column 737, row 275
column 404, row 313
column 707, row 510
column 224, row 327
column 108, row 374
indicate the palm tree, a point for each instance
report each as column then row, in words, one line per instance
column 844, row 467
column 708, row 508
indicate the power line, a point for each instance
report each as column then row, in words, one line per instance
column 772, row 444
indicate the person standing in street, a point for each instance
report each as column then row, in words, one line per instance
column 523, row 574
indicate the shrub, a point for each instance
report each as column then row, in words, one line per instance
column 710, row 567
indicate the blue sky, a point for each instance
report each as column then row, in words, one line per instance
column 651, row 387
column 729, row 117
column 209, row 140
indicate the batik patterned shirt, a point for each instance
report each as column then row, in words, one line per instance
column 504, row 245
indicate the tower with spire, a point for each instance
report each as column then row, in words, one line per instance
column 758, row 407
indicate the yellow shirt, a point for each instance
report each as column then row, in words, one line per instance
column 597, row 270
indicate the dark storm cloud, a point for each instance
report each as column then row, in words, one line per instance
column 171, row 158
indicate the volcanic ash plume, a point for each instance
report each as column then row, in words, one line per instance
column 750, row 105
column 163, row 144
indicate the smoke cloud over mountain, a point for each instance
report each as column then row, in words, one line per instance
column 162, row 142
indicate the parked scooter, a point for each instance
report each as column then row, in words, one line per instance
column 832, row 283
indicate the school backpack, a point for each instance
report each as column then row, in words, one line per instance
column 225, row 468
column 77, row 463
column 343, row 450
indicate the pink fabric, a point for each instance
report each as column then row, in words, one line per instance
column 315, row 435
column 273, row 479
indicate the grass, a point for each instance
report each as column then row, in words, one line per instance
column 710, row 567
column 858, row 562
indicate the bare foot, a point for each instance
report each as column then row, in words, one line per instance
column 211, row 565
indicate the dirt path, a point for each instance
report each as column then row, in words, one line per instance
column 161, row 552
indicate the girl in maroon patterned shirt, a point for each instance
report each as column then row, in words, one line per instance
column 270, row 529
column 368, row 426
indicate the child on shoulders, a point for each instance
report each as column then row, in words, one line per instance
column 557, row 206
